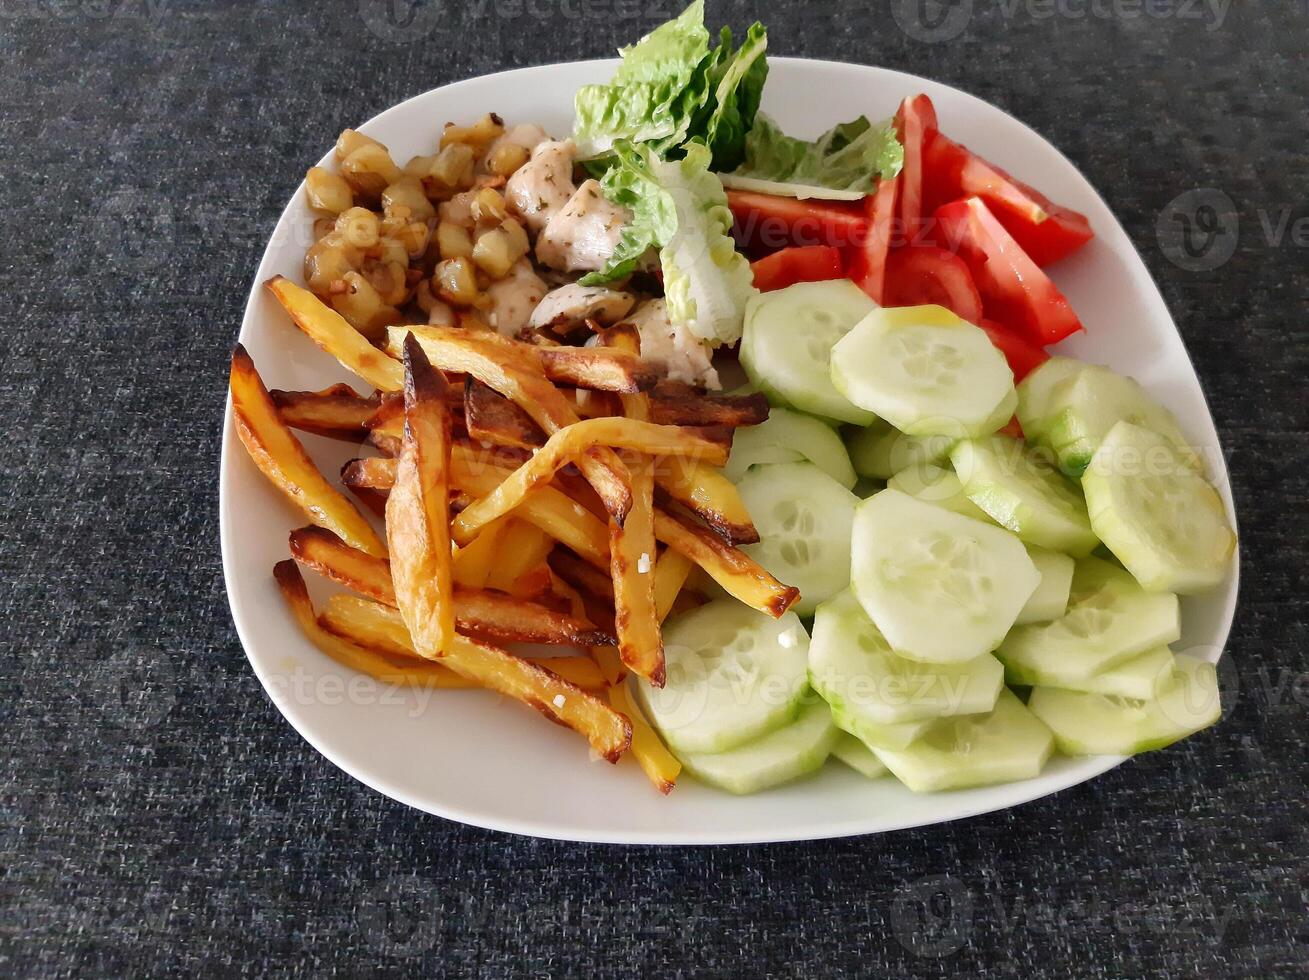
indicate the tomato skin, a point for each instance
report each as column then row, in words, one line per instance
column 919, row 275
column 868, row 267
column 770, row 222
column 1023, row 355
column 915, row 123
column 1044, row 230
column 1013, row 289
column 803, row 263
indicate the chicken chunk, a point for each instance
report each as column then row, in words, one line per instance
column 569, row 307
column 582, row 235
column 674, row 349
column 543, row 185
column 513, row 299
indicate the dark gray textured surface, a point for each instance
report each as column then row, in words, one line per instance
column 158, row 816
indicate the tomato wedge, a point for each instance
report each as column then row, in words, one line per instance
column 1023, row 355
column 771, row 222
column 805, row 263
column 920, row 274
column 868, row 267
column 915, row 122
column 1013, row 289
column 1044, row 230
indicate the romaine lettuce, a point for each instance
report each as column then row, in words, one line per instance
column 850, row 156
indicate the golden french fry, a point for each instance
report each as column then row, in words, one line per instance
column 730, row 567
column 353, row 651
column 493, row 418
column 631, row 562
column 418, row 510
column 606, row 658
column 581, row 575
column 609, row 732
column 568, row 444
column 280, row 457
column 473, row 562
column 338, row 412
column 581, row 671
column 671, row 573
column 659, row 764
column 333, row 333
column 520, row 548
column 677, row 403
column 625, row 339
column 702, row 488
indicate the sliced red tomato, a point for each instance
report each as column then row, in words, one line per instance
column 1044, row 230
column 1013, row 289
column 771, row 222
column 1023, row 355
column 920, row 274
column 805, row 263
column 1012, row 428
column 868, row 267
column 915, row 122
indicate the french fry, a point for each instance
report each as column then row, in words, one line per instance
column 472, row 563
column 581, row 671
column 280, row 457
column 582, row 575
column 454, row 350
column 671, row 573
column 606, row 658
column 418, row 510
column 676, row 403
column 730, row 567
column 659, row 764
column 702, row 488
column 625, row 339
column 353, row 651
column 609, row 733
column 333, row 333
column 338, row 412
column 631, row 561
column 490, row 417
column 521, row 548
column 568, row 444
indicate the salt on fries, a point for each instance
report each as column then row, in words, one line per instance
column 493, row 537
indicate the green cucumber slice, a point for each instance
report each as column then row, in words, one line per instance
column 1007, row 744
column 770, row 760
column 855, row 670
column 787, row 344
column 804, row 518
column 875, row 736
column 941, row 587
column 1098, row 724
column 879, row 452
column 926, row 371
column 858, row 756
column 934, row 484
column 1020, row 490
column 1161, row 519
column 1040, row 394
column 1110, row 620
column 1094, row 402
column 733, row 675
column 790, row 437
column 1050, row 600
column 1139, row 677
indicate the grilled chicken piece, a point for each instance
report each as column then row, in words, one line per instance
column 569, row 307
column 681, row 355
column 513, row 299
column 584, row 233
column 541, row 187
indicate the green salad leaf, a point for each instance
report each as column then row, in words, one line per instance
column 849, row 156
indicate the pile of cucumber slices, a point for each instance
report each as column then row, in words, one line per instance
column 971, row 601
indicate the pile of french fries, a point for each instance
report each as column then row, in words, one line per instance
column 530, row 493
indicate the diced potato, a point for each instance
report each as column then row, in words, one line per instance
column 327, row 261
column 407, row 192
column 453, row 166
column 328, row 192
column 456, row 282
column 489, row 206
column 362, row 305
column 359, row 228
column 493, row 253
column 506, row 158
column 479, row 133
column 351, row 140
column 453, row 241
column 369, row 170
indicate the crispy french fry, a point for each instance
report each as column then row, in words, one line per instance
column 328, row 555
column 353, row 651
column 493, row 418
column 631, row 562
column 581, row 671
column 418, row 510
column 659, row 764
column 581, row 575
column 730, row 567
column 609, row 732
column 676, row 403
column 671, row 573
column 568, row 444
column 488, row 362
column 338, row 412
column 473, row 562
column 702, row 488
column 625, row 339
column 280, row 457
column 333, row 333
column 606, row 658
column 521, row 548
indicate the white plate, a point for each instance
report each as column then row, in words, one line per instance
column 472, row 757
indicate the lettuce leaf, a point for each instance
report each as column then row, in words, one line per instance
column 849, row 156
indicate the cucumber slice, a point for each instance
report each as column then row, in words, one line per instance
column 775, row 758
column 925, row 371
column 787, row 344
column 804, row 518
column 934, row 484
column 942, row 588
column 1097, row 724
column 1050, row 600
column 733, row 675
column 1040, row 394
column 1020, row 490
column 853, row 667
column 879, row 452
column 789, row 437
column 974, row 750
column 1094, row 402
column 1160, row 518
column 1141, row 677
column 875, row 736
column 1110, row 620
column 858, row 756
